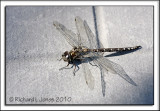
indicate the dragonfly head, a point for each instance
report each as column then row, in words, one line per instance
column 66, row 56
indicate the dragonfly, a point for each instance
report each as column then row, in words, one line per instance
column 86, row 49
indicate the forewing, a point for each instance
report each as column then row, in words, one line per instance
column 88, row 76
column 111, row 66
column 82, row 36
column 94, row 42
column 83, row 40
column 68, row 34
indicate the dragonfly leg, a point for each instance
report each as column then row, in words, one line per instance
column 65, row 67
column 74, row 71
column 59, row 59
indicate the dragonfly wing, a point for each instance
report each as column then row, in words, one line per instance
column 94, row 42
column 104, row 62
column 88, row 76
column 111, row 67
column 92, row 39
column 68, row 34
column 82, row 36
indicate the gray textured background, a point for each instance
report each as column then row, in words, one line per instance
column 33, row 46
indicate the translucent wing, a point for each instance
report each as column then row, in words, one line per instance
column 83, row 40
column 83, row 31
column 95, row 43
column 104, row 62
column 68, row 34
column 79, row 26
column 88, row 76
column 112, row 67
column 82, row 36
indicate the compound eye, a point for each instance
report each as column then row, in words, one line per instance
column 67, row 56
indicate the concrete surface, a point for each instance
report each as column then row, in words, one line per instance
column 33, row 46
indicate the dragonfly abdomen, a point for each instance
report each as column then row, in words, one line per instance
column 115, row 49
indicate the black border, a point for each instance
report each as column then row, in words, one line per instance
column 80, row 104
